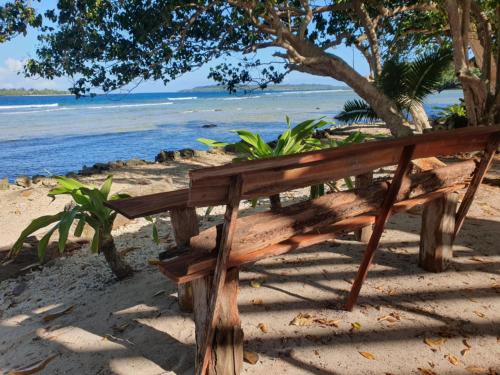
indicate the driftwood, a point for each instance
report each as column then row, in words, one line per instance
column 268, row 228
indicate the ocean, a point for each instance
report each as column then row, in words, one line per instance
column 53, row 135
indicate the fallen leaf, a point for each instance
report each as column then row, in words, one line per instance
column 464, row 352
column 466, row 343
column 257, row 302
column 434, row 342
column 32, row 368
column 250, row 357
column 453, row 359
column 154, row 262
column 57, row 314
column 426, row 371
column 263, row 327
column 391, row 318
column 302, row 320
column 368, row 355
column 476, row 370
column 327, row 322
column 255, row 284
column 479, row 313
column 355, row 326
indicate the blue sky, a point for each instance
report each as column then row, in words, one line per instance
column 14, row 52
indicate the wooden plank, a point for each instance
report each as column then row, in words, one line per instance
column 226, row 352
column 185, row 225
column 265, row 228
column 477, row 135
column 150, row 204
column 362, row 181
column 228, row 230
column 437, row 233
column 479, row 174
column 272, row 176
column 189, row 267
column 403, row 169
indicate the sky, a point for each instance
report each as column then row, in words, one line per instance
column 15, row 52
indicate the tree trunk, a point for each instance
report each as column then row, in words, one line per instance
column 120, row 268
column 315, row 61
column 420, row 118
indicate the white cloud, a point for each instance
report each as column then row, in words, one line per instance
column 12, row 77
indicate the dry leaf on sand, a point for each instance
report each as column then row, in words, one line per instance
column 355, row 326
column 479, row 313
column 257, row 301
column 250, row 357
column 426, row 371
column 368, row 355
column 476, row 370
column 263, row 327
column 434, row 343
column 327, row 322
column 393, row 317
column 255, row 284
column 49, row 317
column 453, row 359
column 303, row 319
column 32, row 368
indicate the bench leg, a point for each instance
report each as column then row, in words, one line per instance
column 363, row 181
column 185, row 225
column 437, row 233
column 226, row 350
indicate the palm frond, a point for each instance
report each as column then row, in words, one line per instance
column 424, row 76
column 357, row 110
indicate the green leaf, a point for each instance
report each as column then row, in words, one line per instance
column 80, row 226
column 357, row 110
column 94, row 246
column 118, row 196
column 35, row 225
column 106, row 186
column 44, row 241
column 156, row 237
column 211, row 142
column 64, row 225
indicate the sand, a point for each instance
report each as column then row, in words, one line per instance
column 135, row 326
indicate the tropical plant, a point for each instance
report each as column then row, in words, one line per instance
column 406, row 83
column 88, row 209
column 453, row 116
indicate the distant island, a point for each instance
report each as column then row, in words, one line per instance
column 276, row 88
column 28, row 92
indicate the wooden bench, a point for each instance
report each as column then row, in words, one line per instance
column 208, row 261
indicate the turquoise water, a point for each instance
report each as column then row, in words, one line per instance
column 58, row 134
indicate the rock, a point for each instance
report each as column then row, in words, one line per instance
column 23, row 181
column 101, row 166
column 48, row 181
column 135, row 162
column 88, row 171
column 117, row 164
column 37, row 179
column 187, row 153
column 167, row 155
column 4, row 184
column 208, row 126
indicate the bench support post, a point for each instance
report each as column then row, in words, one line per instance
column 217, row 287
column 437, row 233
column 185, row 225
column 226, row 350
column 482, row 168
column 402, row 170
column 363, row 181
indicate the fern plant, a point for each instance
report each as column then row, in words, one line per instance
column 406, row 83
column 88, row 209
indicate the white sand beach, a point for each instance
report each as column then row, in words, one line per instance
column 408, row 321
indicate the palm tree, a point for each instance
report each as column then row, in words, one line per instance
column 407, row 83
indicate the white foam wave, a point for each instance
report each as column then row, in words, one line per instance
column 184, row 98
column 242, row 97
column 36, row 111
column 129, row 105
column 27, row 106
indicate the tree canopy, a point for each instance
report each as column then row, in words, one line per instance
column 107, row 44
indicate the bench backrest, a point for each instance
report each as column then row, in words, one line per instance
column 210, row 186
